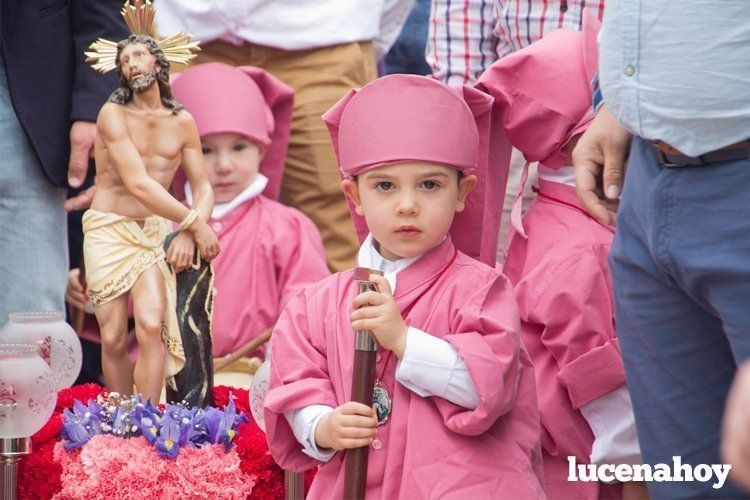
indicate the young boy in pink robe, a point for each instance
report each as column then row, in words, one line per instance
column 557, row 262
column 269, row 251
column 463, row 421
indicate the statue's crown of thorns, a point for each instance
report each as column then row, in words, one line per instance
column 139, row 16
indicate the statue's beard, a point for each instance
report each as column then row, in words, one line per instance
column 142, row 82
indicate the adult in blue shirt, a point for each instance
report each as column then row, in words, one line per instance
column 675, row 82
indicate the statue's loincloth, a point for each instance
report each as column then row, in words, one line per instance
column 116, row 250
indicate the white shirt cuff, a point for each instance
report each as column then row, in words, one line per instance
column 303, row 423
column 613, row 424
column 432, row 367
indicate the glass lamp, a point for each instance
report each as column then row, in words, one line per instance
column 294, row 482
column 60, row 345
column 258, row 390
column 27, row 400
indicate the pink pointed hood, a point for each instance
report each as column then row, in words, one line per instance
column 542, row 105
column 243, row 100
column 400, row 118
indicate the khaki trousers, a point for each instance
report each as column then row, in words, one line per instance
column 319, row 77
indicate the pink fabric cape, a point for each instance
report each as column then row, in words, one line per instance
column 542, row 93
column 401, row 118
column 268, row 253
column 431, row 448
column 543, row 98
column 243, row 100
column 564, row 291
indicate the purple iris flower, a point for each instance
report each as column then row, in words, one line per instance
column 146, row 410
column 180, row 414
column 149, row 429
column 184, row 431
column 227, row 436
column 73, row 433
column 80, row 410
column 94, row 422
column 212, row 419
column 86, row 416
column 173, row 412
column 167, row 430
column 195, row 430
column 235, row 418
column 168, row 442
column 229, row 423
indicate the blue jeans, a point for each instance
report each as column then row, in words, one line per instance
column 33, row 227
column 407, row 54
column 681, row 270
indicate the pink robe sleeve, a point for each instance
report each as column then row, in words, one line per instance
column 299, row 258
column 485, row 332
column 576, row 307
column 298, row 384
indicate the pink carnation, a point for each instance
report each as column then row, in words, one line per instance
column 109, row 466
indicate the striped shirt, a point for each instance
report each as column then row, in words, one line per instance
column 467, row 36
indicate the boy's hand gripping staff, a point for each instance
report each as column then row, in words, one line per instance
column 363, row 381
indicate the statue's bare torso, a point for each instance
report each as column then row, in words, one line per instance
column 159, row 138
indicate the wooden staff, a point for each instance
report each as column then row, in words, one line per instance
column 294, row 485
column 363, row 381
column 244, row 350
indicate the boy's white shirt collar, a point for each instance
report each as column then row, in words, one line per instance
column 369, row 257
column 564, row 175
column 220, row 210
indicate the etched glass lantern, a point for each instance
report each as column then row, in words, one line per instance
column 60, row 345
column 27, row 391
column 258, row 391
column 27, row 400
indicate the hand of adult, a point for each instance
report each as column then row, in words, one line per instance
column 82, row 136
column 81, row 200
column 735, row 439
column 75, row 293
column 599, row 159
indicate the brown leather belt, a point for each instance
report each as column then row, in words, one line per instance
column 670, row 157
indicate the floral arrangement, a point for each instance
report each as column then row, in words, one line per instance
column 104, row 465
column 168, row 431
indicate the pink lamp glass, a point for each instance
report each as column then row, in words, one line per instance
column 61, row 347
column 27, row 400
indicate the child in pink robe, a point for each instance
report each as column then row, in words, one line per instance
column 463, row 420
column 557, row 262
column 268, row 251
